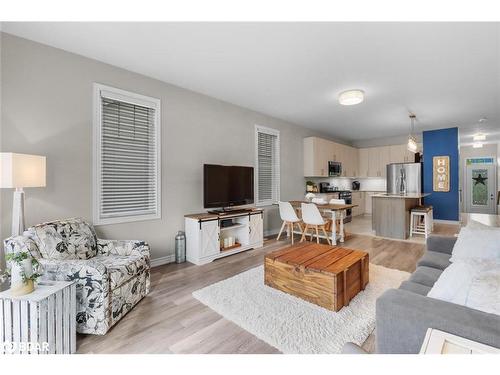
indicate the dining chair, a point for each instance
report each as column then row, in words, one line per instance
column 289, row 217
column 312, row 219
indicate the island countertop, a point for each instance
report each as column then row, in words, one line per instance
column 401, row 196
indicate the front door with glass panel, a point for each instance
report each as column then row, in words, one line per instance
column 480, row 185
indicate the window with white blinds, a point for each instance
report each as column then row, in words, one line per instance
column 267, row 150
column 127, row 149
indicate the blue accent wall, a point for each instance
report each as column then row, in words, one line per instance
column 442, row 142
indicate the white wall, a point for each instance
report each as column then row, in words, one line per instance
column 47, row 110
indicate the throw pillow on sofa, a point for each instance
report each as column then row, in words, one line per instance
column 477, row 244
column 484, row 293
column 454, row 283
column 474, row 284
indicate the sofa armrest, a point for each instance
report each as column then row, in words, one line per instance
column 403, row 317
column 441, row 244
column 92, row 290
column 20, row 244
column 123, row 247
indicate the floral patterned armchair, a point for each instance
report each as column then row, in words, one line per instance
column 112, row 276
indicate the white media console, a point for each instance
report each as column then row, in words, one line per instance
column 205, row 234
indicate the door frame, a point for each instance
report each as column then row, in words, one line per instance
column 489, row 161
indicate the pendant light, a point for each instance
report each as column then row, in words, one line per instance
column 412, row 142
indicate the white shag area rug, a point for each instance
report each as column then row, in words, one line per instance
column 291, row 324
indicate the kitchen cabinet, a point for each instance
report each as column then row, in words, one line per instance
column 358, row 197
column 318, row 152
column 373, row 162
column 316, row 156
column 384, row 159
column 368, row 201
column 351, row 162
column 363, row 158
column 400, row 154
column 363, row 162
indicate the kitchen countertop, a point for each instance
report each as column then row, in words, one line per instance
column 405, row 196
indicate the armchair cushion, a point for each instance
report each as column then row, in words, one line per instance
column 65, row 239
column 121, row 268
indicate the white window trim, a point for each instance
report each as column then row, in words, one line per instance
column 133, row 98
column 269, row 202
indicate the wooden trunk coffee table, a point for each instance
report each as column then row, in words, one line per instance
column 328, row 276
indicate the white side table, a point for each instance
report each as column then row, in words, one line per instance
column 439, row 342
column 42, row 322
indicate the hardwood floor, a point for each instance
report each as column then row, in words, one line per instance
column 170, row 320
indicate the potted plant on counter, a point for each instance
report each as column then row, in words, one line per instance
column 309, row 186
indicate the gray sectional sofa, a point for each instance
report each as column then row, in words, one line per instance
column 403, row 315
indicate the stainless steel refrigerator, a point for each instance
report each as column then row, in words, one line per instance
column 404, row 178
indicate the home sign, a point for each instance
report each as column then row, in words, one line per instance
column 441, row 173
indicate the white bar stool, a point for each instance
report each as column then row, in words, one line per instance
column 421, row 221
column 289, row 217
column 312, row 218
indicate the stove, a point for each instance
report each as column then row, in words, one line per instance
column 347, row 196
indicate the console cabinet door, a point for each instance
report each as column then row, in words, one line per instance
column 256, row 230
column 209, row 244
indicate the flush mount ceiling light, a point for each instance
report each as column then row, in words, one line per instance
column 477, row 145
column 479, row 137
column 351, row 97
column 412, row 142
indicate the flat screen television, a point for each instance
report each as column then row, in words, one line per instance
column 226, row 186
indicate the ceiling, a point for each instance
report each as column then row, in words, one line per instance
column 446, row 73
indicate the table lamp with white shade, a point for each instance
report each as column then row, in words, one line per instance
column 20, row 171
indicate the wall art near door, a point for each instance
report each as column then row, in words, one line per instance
column 480, row 187
column 441, row 173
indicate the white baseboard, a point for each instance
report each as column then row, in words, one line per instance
column 454, row 222
column 272, row 232
column 162, row 260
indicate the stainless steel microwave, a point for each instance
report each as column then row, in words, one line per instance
column 334, row 169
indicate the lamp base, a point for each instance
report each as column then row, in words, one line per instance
column 18, row 212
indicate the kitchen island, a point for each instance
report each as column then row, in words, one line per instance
column 391, row 213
